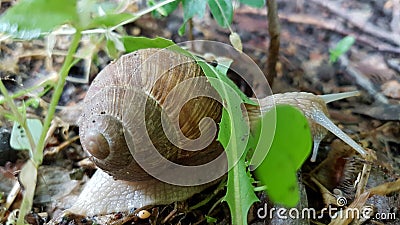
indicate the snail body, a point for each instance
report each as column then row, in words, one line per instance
column 122, row 124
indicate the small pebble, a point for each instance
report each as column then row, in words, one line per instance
column 143, row 214
column 118, row 215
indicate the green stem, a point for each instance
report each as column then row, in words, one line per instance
column 28, row 90
column 38, row 156
column 261, row 188
column 20, row 118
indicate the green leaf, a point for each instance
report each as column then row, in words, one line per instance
column 222, row 10
column 165, row 10
column 212, row 72
column 182, row 29
column 341, row 48
column 114, row 45
column 111, row 49
column 109, row 20
column 29, row 19
column 240, row 194
column 253, row 3
column 290, row 147
column 209, row 219
column 190, row 9
column 18, row 138
column 234, row 135
column 223, row 65
column 33, row 102
column 135, row 43
column 236, row 42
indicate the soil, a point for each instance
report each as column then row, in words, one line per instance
column 309, row 29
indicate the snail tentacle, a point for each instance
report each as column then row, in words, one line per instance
column 321, row 119
column 337, row 96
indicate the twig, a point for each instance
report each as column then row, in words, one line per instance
column 361, row 80
column 170, row 215
column 394, row 24
column 364, row 179
column 394, row 64
column 274, row 34
column 366, row 27
column 12, row 195
column 190, row 33
column 57, row 149
column 334, row 25
column 386, row 188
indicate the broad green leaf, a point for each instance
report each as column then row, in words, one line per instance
column 95, row 13
column 29, row 19
column 234, row 135
column 222, row 10
column 165, row 10
column 182, row 29
column 114, row 45
column 109, row 20
column 240, row 194
column 341, row 48
column 135, row 43
column 290, row 147
column 223, row 65
column 18, row 138
column 253, row 3
column 190, row 9
column 209, row 219
column 111, row 49
column 212, row 72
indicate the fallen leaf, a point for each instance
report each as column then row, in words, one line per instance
column 391, row 89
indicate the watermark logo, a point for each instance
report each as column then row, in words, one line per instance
column 341, row 201
column 341, row 212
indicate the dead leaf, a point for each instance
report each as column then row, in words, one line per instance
column 391, row 89
column 380, row 111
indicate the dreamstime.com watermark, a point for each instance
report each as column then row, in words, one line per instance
column 367, row 212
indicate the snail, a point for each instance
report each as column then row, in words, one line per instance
column 133, row 118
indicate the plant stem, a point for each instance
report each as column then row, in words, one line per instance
column 20, row 118
column 38, row 156
column 26, row 91
column 274, row 30
column 261, row 188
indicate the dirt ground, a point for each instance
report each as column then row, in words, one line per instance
column 309, row 29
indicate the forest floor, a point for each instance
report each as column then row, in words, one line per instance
column 309, row 29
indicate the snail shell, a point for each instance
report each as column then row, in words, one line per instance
column 126, row 102
column 125, row 105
